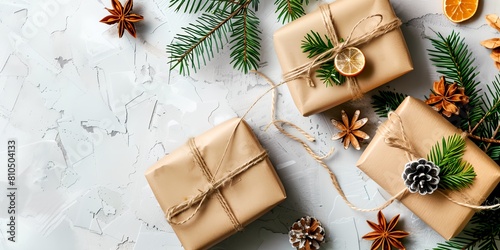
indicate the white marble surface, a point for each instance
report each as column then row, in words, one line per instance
column 92, row 112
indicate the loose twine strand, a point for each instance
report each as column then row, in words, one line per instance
column 304, row 71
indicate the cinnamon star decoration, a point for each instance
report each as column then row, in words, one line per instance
column 123, row 17
column 349, row 133
column 445, row 97
column 307, row 234
column 384, row 236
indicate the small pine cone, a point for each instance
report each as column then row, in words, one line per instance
column 307, row 233
column 421, row 176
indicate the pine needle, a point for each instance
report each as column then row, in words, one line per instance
column 454, row 173
column 289, row 10
column 387, row 101
column 314, row 45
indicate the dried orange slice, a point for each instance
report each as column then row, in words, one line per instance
column 460, row 10
column 350, row 61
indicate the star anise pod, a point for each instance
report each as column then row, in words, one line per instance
column 445, row 97
column 123, row 17
column 349, row 133
column 384, row 235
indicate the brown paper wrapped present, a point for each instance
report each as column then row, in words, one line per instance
column 243, row 184
column 425, row 127
column 386, row 56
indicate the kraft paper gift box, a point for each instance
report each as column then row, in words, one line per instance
column 177, row 178
column 386, row 56
column 424, row 127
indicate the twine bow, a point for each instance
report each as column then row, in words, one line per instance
column 304, row 70
column 213, row 186
column 394, row 135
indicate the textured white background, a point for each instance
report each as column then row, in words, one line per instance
column 92, row 112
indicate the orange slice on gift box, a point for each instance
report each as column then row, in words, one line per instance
column 460, row 10
column 350, row 61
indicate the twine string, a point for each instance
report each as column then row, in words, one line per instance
column 395, row 136
column 304, row 71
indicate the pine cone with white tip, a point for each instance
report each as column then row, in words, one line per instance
column 421, row 176
column 307, row 234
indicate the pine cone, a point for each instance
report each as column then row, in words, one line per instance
column 307, row 233
column 421, row 176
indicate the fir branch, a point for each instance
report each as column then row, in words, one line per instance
column 386, row 101
column 289, row 10
column 454, row 60
column 494, row 152
column 195, row 6
column 245, row 48
column 454, row 173
column 195, row 47
column 188, row 6
column 458, row 175
column 314, row 45
column 492, row 107
column 483, row 233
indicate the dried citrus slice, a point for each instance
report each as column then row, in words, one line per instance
column 350, row 61
column 459, row 10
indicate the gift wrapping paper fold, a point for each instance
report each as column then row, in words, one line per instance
column 176, row 178
column 387, row 56
column 425, row 127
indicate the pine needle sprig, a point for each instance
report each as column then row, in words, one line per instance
column 483, row 234
column 314, row 45
column 454, row 60
column 196, row 46
column 289, row 10
column 455, row 173
column 195, row 6
column 225, row 20
column 245, row 48
column 386, row 101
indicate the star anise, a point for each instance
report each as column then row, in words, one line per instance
column 123, row 17
column 445, row 97
column 384, row 234
column 349, row 133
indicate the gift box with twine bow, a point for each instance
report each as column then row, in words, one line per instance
column 410, row 132
column 216, row 184
column 369, row 25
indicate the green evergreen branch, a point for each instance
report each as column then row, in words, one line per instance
column 460, row 175
column 454, row 173
column 483, row 233
column 223, row 19
column 195, row 47
column 314, row 45
column 245, row 48
column 452, row 57
column 386, row 101
column 195, row 6
column 289, row 10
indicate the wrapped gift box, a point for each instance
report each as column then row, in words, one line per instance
column 177, row 178
column 386, row 56
column 425, row 127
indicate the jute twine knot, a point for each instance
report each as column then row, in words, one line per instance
column 394, row 135
column 304, row 71
column 213, row 186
